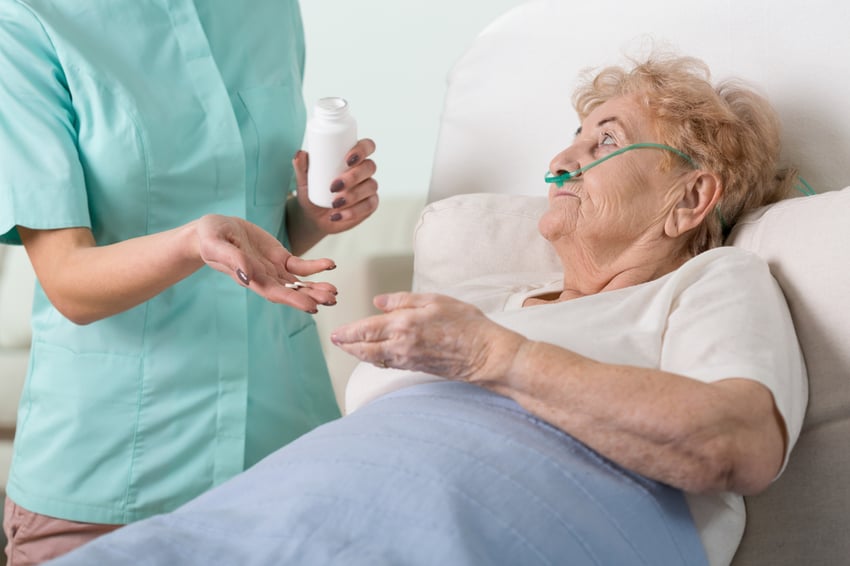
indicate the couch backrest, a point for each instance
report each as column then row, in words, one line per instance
column 507, row 112
column 17, row 283
column 507, row 108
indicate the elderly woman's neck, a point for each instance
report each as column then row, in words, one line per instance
column 587, row 274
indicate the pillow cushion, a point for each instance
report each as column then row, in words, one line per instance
column 464, row 237
column 805, row 242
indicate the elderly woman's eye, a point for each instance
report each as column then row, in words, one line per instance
column 607, row 140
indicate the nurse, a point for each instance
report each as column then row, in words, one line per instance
column 142, row 144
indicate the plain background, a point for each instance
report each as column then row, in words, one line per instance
column 390, row 59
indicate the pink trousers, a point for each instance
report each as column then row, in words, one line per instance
column 35, row 538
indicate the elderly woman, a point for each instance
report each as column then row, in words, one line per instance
column 662, row 351
column 615, row 415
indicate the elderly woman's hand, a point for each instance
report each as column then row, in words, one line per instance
column 256, row 259
column 433, row 334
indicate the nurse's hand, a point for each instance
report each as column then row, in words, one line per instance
column 257, row 260
column 355, row 198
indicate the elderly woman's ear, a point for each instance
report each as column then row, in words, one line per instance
column 701, row 194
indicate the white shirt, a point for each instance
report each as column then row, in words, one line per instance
column 720, row 315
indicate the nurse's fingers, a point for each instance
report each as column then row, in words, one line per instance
column 353, row 214
column 356, row 195
column 277, row 293
column 322, row 293
column 300, row 163
column 361, row 150
column 284, row 288
column 237, row 273
column 303, row 267
column 354, row 177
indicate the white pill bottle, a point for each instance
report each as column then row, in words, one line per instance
column 331, row 133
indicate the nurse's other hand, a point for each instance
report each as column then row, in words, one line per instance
column 434, row 334
column 257, row 260
column 355, row 191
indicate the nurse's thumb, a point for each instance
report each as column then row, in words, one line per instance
column 300, row 163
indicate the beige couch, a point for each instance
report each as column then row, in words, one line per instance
column 16, row 285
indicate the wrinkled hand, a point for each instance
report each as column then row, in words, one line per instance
column 257, row 260
column 433, row 334
column 355, row 191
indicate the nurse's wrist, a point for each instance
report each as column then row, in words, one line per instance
column 303, row 231
column 189, row 244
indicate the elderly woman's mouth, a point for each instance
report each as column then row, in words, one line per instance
column 565, row 193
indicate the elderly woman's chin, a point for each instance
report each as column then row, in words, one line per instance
column 558, row 221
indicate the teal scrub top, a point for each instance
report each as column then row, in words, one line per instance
column 132, row 117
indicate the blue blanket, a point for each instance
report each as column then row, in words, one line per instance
column 437, row 474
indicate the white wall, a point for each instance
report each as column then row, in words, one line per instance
column 390, row 59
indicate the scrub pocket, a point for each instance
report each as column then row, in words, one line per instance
column 74, row 404
column 274, row 132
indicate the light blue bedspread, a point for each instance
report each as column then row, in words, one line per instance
column 436, row 474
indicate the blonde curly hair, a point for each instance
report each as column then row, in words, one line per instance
column 727, row 129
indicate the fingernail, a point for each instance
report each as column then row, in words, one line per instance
column 353, row 159
column 329, row 303
column 243, row 277
column 338, row 202
column 337, row 186
column 297, row 153
column 314, row 311
column 336, row 216
column 331, row 268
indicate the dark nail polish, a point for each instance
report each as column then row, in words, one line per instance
column 314, row 311
column 352, row 160
column 337, row 186
column 335, row 217
column 297, row 153
column 329, row 303
column 338, row 202
column 243, row 277
column 331, row 268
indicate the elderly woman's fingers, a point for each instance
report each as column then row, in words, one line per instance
column 371, row 329
column 405, row 300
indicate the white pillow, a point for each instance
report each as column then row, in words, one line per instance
column 463, row 237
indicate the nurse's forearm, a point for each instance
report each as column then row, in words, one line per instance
column 87, row 283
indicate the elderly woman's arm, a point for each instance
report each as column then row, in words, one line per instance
column 721, row 436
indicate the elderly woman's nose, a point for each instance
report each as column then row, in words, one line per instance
column 563, row 164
